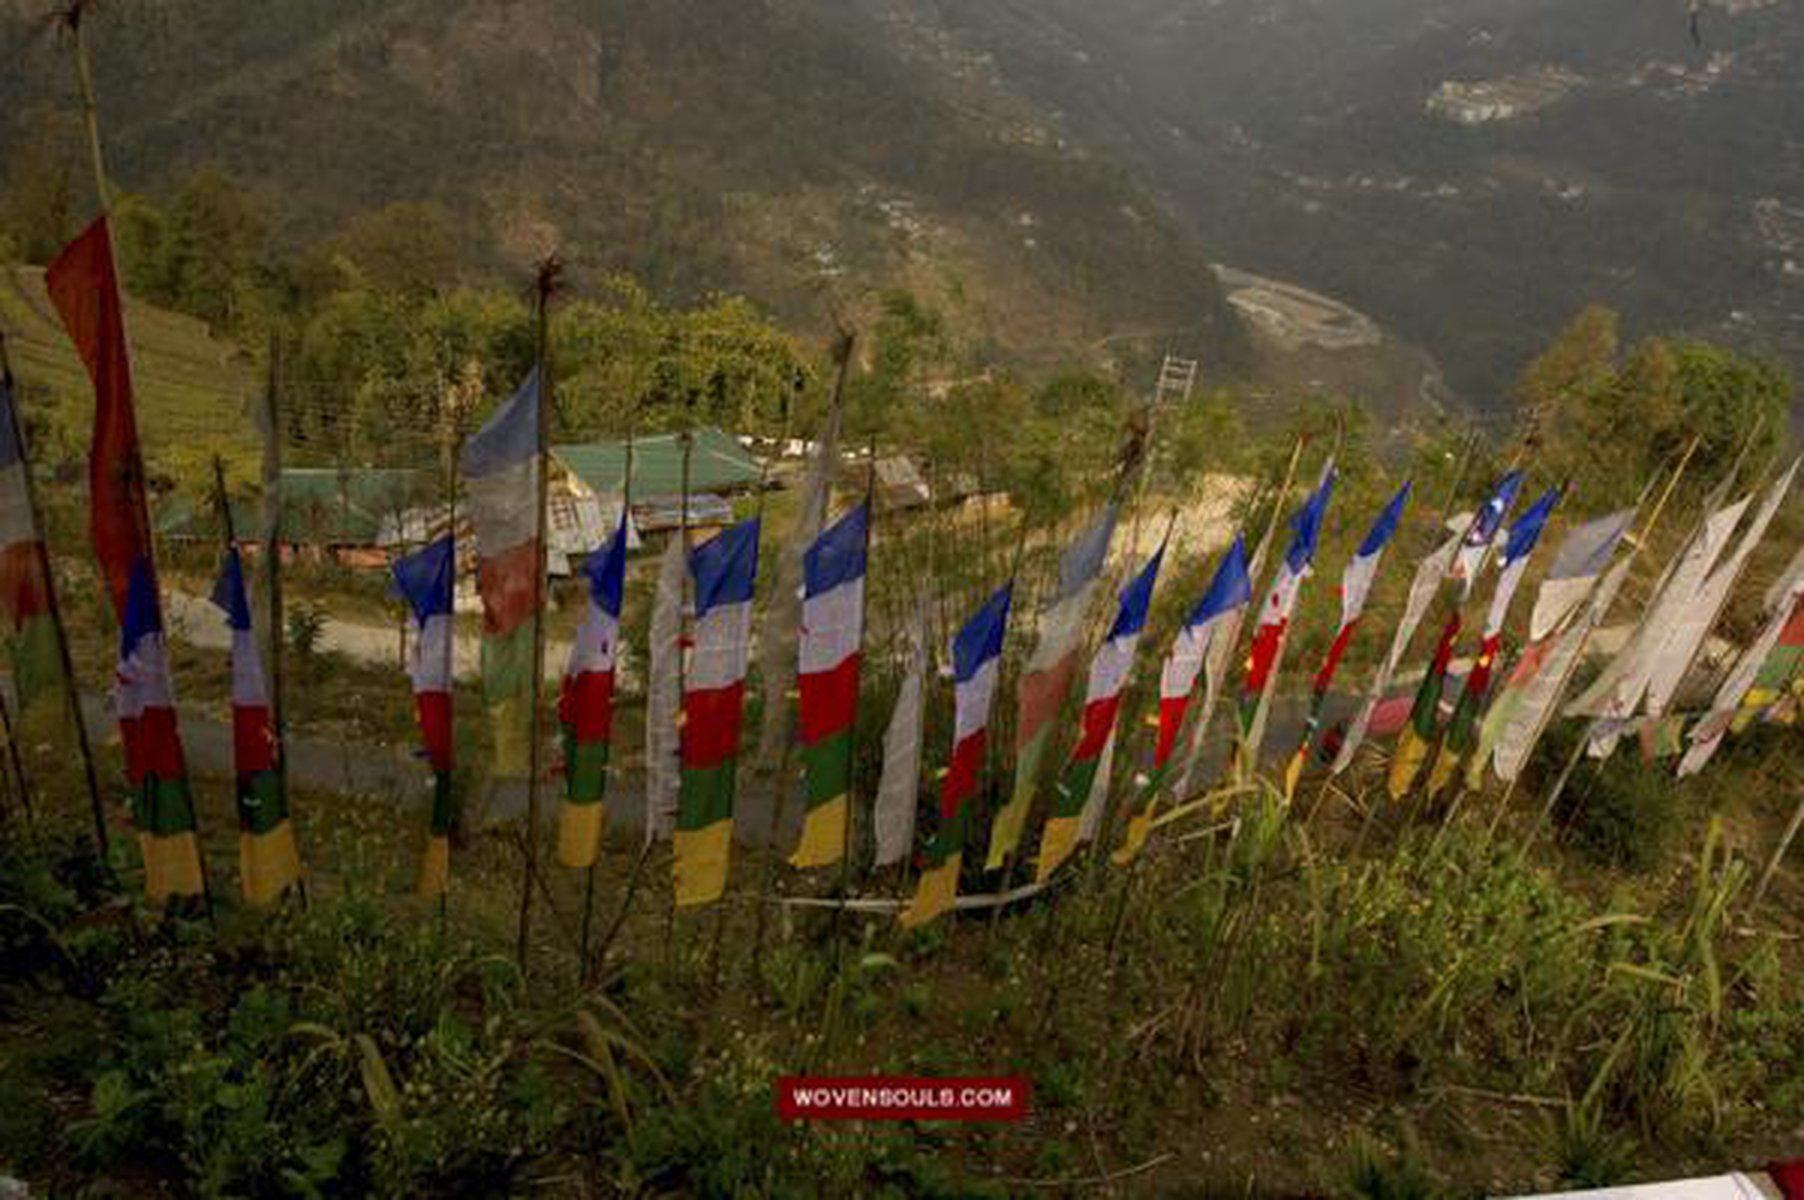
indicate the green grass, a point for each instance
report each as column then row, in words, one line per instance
column 193, row 389
column 1399, row 1013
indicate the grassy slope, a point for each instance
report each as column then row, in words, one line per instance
column 1368, row 991
column 778, row 149
column 192, row 388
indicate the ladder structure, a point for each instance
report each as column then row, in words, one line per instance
column 1176, row 377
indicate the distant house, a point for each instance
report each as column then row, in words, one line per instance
column 718, row 467
column 899, row 484
column 336, row 511
column 363, row 516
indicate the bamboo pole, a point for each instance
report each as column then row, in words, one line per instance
column 544, row 284
column 847, row 841
column 272, row 567
column 781, row 722
column 15, row 766
column 1779, row 851
column 688, row 444
column 452, row 432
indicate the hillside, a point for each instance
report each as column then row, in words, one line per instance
column 192, row 388
column 1314, row 141
column 780, row 148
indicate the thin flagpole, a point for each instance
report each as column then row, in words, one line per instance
column 13, row 762
column 544, row 284
column 864, row 616
column 782, row 722
column 1779, row 851
column 626, row 508
column 453, row 451
column 272, row 568
column 688, row 446
column 846, row 842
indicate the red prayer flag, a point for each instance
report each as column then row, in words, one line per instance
column 84, row 285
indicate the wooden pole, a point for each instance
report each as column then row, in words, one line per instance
column 1772, row 866
column 272, row 557
column 14, row 764
column 74, row 20
column 780, row 781
column 846, row 840
column 688, row 444
column 545, row 283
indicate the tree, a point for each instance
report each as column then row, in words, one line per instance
column 1608, row 422
column 201, row 254
column 408, row 248
column 40, row 203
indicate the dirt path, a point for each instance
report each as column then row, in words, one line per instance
column 196, row 621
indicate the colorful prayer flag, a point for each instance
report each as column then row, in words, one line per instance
column 1518, row 711
column 1281, row 601
column 1274, row 618
column 1229, row 591
column 899, row 788
column 1576, row 567
column 24, row 569
column 976, row 662
column 1685, row 636
column 586, row 705
column 828, row 658
column 269, row 862
column 1760, row 673
column 1481, row 531
column 1077, row 804
column 1046, row 679
column 1424, row 714
column 1355, row 587
column 1619, row 687
column 502, row 465
column 1512, row 561
column 664, row 696
column 163, row 806
column 1430, row 572
column 725, row 572
column 83, row 284
column 1542, row 685
column 426, row 580
column 1356, row 583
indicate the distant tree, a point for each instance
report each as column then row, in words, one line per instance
column 39, row 206
column 200, row 253
column 409, row 248
column 1609, row 421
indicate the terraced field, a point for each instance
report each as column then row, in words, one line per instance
column 193, row 388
